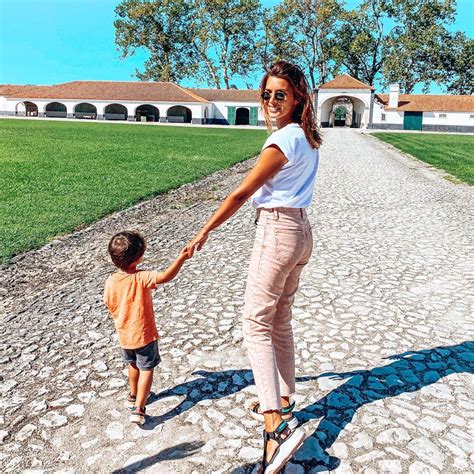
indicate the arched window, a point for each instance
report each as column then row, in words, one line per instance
column 179, row 114
column 26, row 109
column 147, row 113
column 55, row 109
column 85, row 111
column 116, row 112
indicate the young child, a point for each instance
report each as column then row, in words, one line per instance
column 127, row 296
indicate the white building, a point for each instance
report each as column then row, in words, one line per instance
column 344, row 102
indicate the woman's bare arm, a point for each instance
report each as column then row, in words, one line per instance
column 270, row 162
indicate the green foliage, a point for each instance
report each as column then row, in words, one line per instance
column 458, row 63
column 361, row 45
column 379, row 41
column 304, row 32
column 160, row 28
column 452, row 153
column 417, row 42
column 58, row 176
column 212, row 40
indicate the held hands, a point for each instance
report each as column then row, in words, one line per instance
column 197, row 243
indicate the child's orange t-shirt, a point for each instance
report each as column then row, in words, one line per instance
column 128, row 298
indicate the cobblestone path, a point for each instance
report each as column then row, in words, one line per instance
column 383, row 326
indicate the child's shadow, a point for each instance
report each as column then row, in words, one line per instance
column 409, row 372
column 209, row 386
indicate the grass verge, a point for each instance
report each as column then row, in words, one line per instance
column 58, row 176
column 451, row 153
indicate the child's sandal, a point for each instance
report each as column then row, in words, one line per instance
column 287, row 446
column 130, row 401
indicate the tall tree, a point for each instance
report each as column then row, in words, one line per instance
column 223, row 39
column 302, row 31
column 160, row 28
column 416, row 42
column 458, row 65
column 211, row 40
column 361, row 46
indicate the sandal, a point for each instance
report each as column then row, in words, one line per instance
column 287, row 446
column 291, row 420
column 130, row 401
column 138, row 415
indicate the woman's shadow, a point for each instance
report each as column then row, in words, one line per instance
column 207, row 386
column 409, row 372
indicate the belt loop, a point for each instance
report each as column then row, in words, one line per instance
column 275, row 214
column 301, row 212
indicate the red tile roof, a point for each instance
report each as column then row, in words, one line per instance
column 228, row 95
column 105, row 90
column 344, row 81
column 430, row 103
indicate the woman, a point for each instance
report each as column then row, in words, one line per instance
column 281, row 184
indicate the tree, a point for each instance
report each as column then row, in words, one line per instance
column 211, row 40
column 458, row 65
column 223, row 39
column 302, row 31
column 416, row 42
column 159, row 27
column 361, row 45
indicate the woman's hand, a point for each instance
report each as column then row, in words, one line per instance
column 198, row 242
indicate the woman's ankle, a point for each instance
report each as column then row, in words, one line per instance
column 272, row 420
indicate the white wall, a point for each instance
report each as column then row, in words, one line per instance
column 452, row 118
column 197, row 110
column 391, row 116
column 361, row 100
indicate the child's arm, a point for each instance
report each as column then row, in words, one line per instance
column 173, row 269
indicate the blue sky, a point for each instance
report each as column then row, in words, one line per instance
column 53, row 41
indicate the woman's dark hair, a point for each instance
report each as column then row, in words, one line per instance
column 304, row 111
column 126, row 247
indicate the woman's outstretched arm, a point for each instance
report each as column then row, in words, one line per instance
column 270, row 162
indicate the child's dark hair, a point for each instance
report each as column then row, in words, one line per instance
column 126, row 247
column 304, row 113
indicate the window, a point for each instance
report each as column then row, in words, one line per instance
column 384, row 117
column 443, row 116
column 471, row 116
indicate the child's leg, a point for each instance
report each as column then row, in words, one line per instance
column 145, row 380
column 133, row 374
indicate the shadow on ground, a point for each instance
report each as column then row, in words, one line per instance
column 207, row 386
column 176, row 452
column 409, row 372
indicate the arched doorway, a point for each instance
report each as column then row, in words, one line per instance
column 85, row 111
column 147, row 113
column 56, row 110
column 115, row 112
column 242, row 116
column 26, row 109
column 179, row 114
column 343, row 111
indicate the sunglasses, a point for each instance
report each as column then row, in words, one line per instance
column 278, row 95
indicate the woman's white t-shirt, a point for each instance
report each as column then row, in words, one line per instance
column 293, row 185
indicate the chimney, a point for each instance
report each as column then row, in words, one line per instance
column 393, row 97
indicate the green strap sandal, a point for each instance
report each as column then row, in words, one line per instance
column 288, row 441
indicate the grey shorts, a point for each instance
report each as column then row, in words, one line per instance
column 146, row 358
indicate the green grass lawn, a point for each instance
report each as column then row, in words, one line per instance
column 452, row 153
column 57, row 176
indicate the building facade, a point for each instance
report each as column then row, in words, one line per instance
column 342, row 102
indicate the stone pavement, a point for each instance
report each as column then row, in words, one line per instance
column 382, row 324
